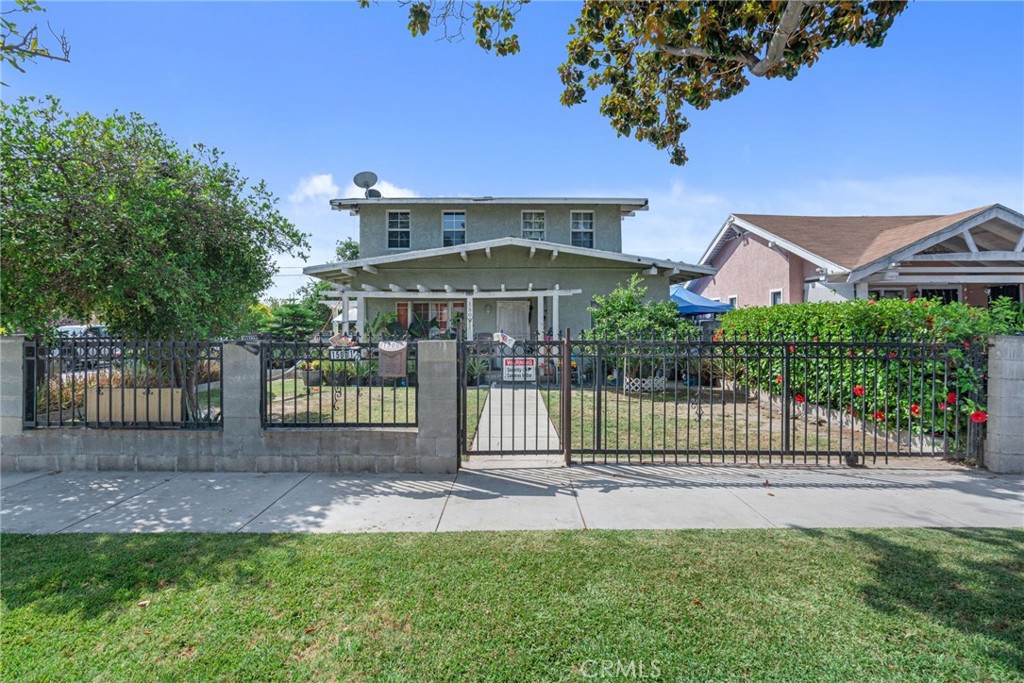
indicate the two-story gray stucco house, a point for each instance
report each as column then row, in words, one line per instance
column 524, row 266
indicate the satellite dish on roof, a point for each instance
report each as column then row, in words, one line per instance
column 373, row 194
column 366, row 180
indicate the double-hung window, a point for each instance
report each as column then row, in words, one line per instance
column 398, row 229
column 581, row 228
column 453, row 228
column 533, row 225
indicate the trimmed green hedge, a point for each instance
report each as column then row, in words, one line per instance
column 889, row 319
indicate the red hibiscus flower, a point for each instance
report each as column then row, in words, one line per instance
column 792, row 348
column 979, row 416
column 915, row 409
column 778, row 379
column 814, row 339
column 871, row 302
column 951, row 397
column 879, row 415
column 913, row 299
column 799, row 398
column 942, row 406
column 858, row 390
column 892, row 354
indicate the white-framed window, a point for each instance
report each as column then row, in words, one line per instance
column 453, row 228
column 775, row 297
column 533, row 225
column 733, row 301
column 886, row 294
column 581, row 228
column 398, row 229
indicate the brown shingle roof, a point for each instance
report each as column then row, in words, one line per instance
column 854, row 241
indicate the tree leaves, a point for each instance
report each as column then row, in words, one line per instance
column 109, row 217
column 648, row 60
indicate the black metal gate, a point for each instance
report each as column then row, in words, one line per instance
column 717, row 401
column 510, row 397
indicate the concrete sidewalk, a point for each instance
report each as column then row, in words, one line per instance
column 581, row 497
column 515, row 419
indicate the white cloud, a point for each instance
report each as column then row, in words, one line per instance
column 318, row 186
column 678, row 225
column 385, row 188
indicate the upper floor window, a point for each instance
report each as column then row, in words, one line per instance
column 581, row 228
column 533, row 225
column 398, row 229
column 453, row 226
column 733, row 301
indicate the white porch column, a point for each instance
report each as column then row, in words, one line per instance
column 554, row 316
column 344, row 316
column 540, row 317
column 860, row 290
column 360, row 316
column 469, row 318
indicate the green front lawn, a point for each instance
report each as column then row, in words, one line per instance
column 291, row 401
column 705, row 420
column 768, row 605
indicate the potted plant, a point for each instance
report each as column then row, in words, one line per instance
column 475, row 369
column 311, row 374
column 364, row 372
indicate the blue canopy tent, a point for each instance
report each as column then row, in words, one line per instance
column 689, row 303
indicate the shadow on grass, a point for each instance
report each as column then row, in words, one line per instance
column 975, row 593
column 96, row 575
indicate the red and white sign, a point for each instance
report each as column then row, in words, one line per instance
column 519, row 369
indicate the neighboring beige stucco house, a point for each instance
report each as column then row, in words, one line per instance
column 526, row 266
column 973, row 257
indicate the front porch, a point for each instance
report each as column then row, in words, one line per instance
column 520, row 313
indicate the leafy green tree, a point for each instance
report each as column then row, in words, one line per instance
column 625, row 314
column 19, row 45
column 300, row 315
column 648, row 60
column 109, row 217
column 293, row 321
column 347, row 250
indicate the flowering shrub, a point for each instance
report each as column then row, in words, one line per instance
column 912, row 366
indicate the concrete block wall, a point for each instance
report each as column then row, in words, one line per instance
column 1004, row 444
column 242, row 445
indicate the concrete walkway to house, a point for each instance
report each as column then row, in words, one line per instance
column 580, row 497
column 515, row 419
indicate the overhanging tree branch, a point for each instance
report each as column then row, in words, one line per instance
column 788, row 25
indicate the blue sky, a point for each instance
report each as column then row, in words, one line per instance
column 304, row 95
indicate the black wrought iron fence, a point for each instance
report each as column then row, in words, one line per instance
column 759, row 402
column 107, row 382
column 754, row 401
column 319, row 384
